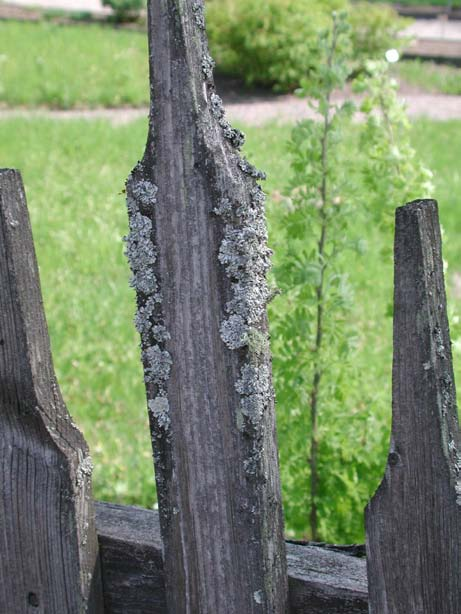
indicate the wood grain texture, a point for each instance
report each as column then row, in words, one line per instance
column 413, row 521
column 197, row 249
column 320, row 580
column 131, row 559
column 48, row 544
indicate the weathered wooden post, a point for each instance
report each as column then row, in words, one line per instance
column 197, row 249
column 49, row 553
column 413, row 521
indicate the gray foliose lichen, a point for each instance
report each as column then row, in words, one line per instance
column 254, row 387
column 456, row 464
column 84, row 469
column 142, row 257
column 246, row 259
column 251, row 170
column 160, row 410
column 199, row 14
column 233, row 135
column 208, row 65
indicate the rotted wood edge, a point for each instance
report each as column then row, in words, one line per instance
column 320, row 580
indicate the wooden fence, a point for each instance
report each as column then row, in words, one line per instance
column 197, row 250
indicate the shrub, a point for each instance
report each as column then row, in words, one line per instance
column 275, row 42
column 271, row 42
column 375, row 28
column 125, row 10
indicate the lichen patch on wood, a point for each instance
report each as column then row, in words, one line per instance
column 157, row 365
column 199, row 14
column 246, row 259
column 255, row 388
column 84, row 468
column 208, row 65
column 160, row 409
column 251, row 170
column 142, row 255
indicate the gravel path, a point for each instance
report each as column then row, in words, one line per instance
column 255, row 110
column 291, row 109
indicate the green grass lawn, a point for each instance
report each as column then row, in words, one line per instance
column 72, row 66
column 441, row 3
column 74, row 174
column 429, row 76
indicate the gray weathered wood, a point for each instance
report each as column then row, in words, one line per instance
column 49, row 553
column 413, row 521
column 197, row 249
column 325, row 581
column 131, row 559
column 320, row 580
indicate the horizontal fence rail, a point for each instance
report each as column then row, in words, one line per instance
column 320, row 581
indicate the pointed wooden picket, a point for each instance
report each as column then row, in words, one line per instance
column 413, row 521
column 49, row 552
column 197, row 249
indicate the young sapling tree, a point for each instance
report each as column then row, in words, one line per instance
column 316, row 219
column 331, row 188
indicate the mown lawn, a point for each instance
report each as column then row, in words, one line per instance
column 74, row 173
column 429, row 76
column 72, row 66
column 441, row 3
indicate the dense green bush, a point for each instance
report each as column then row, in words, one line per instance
column 267, row 42
column 275, row 42
column 125, row 9
column 375, row 28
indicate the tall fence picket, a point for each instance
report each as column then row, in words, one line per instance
column 413, row 521
column 197, row 248
column 49, row 554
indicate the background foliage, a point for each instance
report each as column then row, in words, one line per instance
column 74, row 173
column 79, row 219
column 315, row 341
column 275, row 42
column 262, row 42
